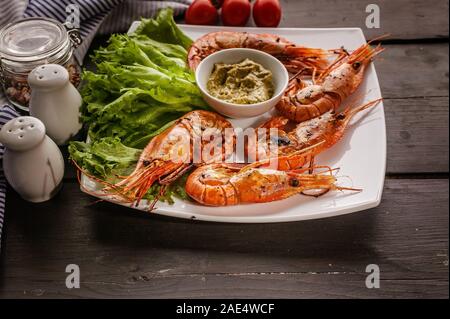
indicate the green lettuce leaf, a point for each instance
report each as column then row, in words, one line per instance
column 108, row 157
column 141, row 85
column 163, row 29
column 104, row 157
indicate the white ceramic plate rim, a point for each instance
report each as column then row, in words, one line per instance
column 180, row 210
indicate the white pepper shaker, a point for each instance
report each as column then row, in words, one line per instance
column 55, row 101
column 33, row 163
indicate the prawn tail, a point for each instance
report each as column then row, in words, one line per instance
column 366, row 52
column 136, row 185
column 319, row 183
column 351, row 112
column 177, row 173
column 110, row 188
column 340, row 188
column 305, row 59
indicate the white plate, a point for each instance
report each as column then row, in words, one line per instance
column 360, row 155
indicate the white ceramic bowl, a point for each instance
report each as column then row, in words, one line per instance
column 279, row 73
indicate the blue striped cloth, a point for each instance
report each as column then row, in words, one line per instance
column 96, row 17
column 6, row 113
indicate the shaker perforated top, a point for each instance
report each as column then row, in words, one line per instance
column 22, row 133
column 48, row 77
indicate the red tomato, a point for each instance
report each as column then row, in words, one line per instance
column 267, row 13
column 236, row 12
column 201, row 12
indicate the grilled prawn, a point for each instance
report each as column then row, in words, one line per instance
column 225, row 184
column 171, row 153
column 302, row 102
column 295, row 58
column 296, row 148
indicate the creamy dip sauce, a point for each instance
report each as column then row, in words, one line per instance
column 246, row 82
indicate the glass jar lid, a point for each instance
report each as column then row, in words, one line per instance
column 32, row 39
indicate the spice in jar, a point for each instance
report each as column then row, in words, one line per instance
column 28, row 43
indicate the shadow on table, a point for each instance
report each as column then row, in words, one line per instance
column 47, row 229
column 337, row 236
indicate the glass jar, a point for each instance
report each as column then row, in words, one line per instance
column 28, row 43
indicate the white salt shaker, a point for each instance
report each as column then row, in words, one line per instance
column 33, row 163
column 55, row 101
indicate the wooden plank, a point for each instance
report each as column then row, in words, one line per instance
column 122, row 253
column 417, row 135
column 413, row 70
column 283, row 286
column 404, row 19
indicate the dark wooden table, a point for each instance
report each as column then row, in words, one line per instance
column 125, row 254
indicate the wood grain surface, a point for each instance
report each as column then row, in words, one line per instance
column 124, row 253
column 403, row 19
